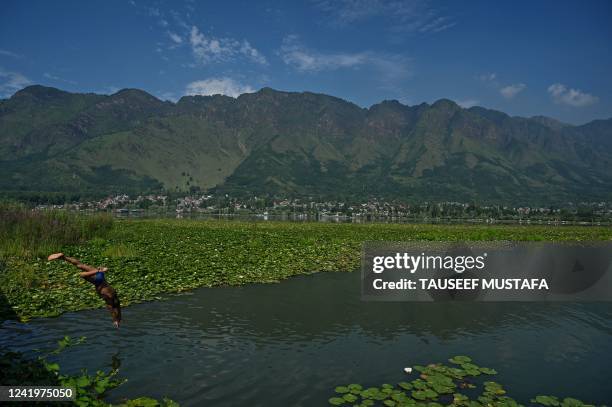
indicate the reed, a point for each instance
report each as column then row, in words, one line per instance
column 27, row 233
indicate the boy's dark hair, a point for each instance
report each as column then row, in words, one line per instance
column 116, row 309
column 112, row 303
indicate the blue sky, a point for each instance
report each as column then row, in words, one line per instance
column 525, row 58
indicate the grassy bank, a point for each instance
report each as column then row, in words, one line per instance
column 148, row 258
column 28, row 233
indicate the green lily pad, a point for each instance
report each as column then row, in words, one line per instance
column 494, row 388
column 405, row 385
column 547, row 400
column 419, row 394
column 571, row 402
column 351, row 398
column 399, row 396
column 336, row 401
column 354, row 387
column 473, row 372
column 439, row 380
column 419, row 384
column 459, row 360
column 459, row 398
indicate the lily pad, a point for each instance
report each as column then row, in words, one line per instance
column 571, row 402
column 336, row 401
column 547, row 400
column 354, row 387
column 459, row 360
column 405, row 385
column 351, row 398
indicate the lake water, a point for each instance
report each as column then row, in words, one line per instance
column 325, row 218
column 291, row 343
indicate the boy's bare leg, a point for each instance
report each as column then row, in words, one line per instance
column 72, row 261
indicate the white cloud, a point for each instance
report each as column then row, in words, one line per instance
column 389, row 67
column 468, row 103
column 209, row 49
column 58, row 79
column 11, row 82
column 488, row 77
column 436, row 25
column 175, row 37
column 7, row 53
column 247, row 50
column 171, row 96
column 492, row 81
column 401, row 15
column 218, row 86
column 511, row 91
column 561, row 94
column 302, row 59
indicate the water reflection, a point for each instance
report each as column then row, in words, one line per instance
column 291, row 343
column 326, row 218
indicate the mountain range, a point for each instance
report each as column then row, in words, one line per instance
column 296, row 144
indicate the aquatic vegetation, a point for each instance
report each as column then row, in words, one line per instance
column 90, row 390
column 28, row 233
column 459, row 384
column 150, row 258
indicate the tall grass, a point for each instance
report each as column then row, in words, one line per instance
column 34, row 233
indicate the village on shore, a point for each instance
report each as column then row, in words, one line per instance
column 599, row 213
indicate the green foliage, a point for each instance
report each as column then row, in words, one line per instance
column 439, row 384
column 148, row 258
column 27, row 233
column 555, row 402
column 459, row 360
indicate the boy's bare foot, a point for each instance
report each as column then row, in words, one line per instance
column 55, row 256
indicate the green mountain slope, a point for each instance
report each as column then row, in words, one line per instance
column 273, row 142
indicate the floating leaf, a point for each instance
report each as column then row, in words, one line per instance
column 354, row 387
column 419, row 394
column 571, row 402
column 547, row 400
column 405, row 385
column 459, row 360
column 336, row 401
column 351, row 398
